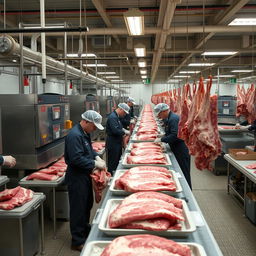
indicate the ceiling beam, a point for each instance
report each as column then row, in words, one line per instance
column 220, row 19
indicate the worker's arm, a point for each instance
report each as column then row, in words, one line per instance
column 1, row 160
column 172, row 131
column 115, row 127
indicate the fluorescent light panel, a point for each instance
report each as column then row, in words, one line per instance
column 189, row 72
column 224, row 76
column 94, row 65
column 143, row 77
column 111, row 77
column 201, row 64
column 242, row 71
column 181, row 76
column 143, row 71
column 243, row 22
column 142, row 64
column 217, row 53
column 134, row 20
column 174, row 80
column 82, row 55
column 106, row 73
column 117, row 80
column 140, row 51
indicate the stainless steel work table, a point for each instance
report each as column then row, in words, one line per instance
column 240, row 166
column 47, row 184
column 22, row 212
column 3, row 180
column 202, row 235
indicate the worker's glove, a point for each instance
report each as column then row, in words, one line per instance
column 98, row 158
column 160, row 135
column 126, row 132
column 9, row 161
column 100, row 164
column 132, row 121
column 157, row 140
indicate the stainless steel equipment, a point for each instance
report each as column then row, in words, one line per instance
column 227, row 110
column 34, row 127
column 81, row 103
column 1, row 150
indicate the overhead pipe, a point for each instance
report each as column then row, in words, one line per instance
column 43, row 47
column 14, row 49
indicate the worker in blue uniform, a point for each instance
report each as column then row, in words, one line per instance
column 127, row 119
column 115, row 133
column 81, row 159
column 8, row 161
column 177, row 145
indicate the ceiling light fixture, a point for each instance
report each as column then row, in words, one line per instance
column 94, row 65
column 224, row 76
column 242, row 71
column 181, row 76
column 142, row 63
column 218, row 53
column 117, row 80
column 140, row 50
column 106, row 73
column 143, row 77
column 174, row 80
column 243, row 22
column 201, row 64
column 134, row 20
column 111, row 77
column 189, row 72
column 71, row 55
column 143, row 71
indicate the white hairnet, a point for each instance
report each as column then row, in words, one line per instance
column 94, row 117
column 160, row 107
column 124, row 107
column 132, row 100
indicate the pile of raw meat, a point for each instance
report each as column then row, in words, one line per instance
column 138, row 245
column 146, row 178
column 15, row 197
column 146, row 153
column 149, row 211
column 98, row 146
column 147, row 130
column 246, row 103
column 50, row 173
column 100, row 180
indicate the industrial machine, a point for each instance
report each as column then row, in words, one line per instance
column 227, row 110
column 34, row 127
column 81, row 103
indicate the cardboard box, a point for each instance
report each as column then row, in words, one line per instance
column 250, row 206
column 242, row 154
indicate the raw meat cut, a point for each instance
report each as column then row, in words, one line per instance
column 147, row 159
column 146, row 245
column 23, row 195
column 251, row 166
column 8, row 193
column 100, row 180
column 135, row 208
column 145, row 151
column 98, row 146
column 145, row 180
column 42, row 176
column 146, row 137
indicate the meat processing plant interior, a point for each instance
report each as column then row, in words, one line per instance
column 128, row 128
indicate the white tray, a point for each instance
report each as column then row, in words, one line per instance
column 120, row 192
column 130, row 146
column 126, row 165
column 188, row 225
column 95, row 248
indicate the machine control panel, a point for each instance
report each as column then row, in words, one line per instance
column 55, row 112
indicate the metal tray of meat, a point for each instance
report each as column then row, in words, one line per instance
column 41, row 183
column 130, row 146
column 126, row 165
column 188, row 226
column 95, row 248
column 120, row 192
column 134, row 138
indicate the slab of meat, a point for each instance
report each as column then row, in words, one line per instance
column 42, row 176
column 251, row 166
column 144, row 145
column 135, row 208
column 145, row 151
column 98, row 146
column 147, row 137
column 147, row 159
column 23, row 195
column 251, row 104
column 145, row 180
column 100, row 180
column 146, row 245
column 8, row 193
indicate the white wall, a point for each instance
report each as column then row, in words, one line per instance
column 141, row 93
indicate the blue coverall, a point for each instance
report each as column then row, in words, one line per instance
column 114, row 141
column 125, row 121
column 79, row 156
column 1, row 160
column 177, row 145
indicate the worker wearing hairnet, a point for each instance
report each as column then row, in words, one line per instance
column 177, row 145
column 127, row 119
column 115, row 133
column 81, row 160
column 8, row 161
